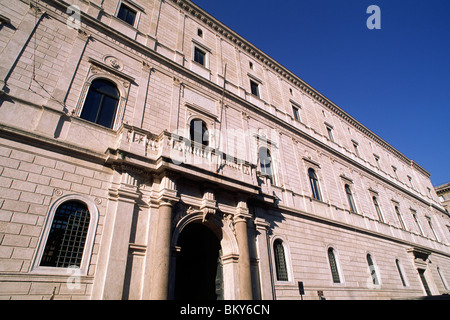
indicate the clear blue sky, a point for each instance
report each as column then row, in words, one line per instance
column 395, row 81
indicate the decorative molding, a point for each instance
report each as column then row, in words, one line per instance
column 346, row 179
column 244, row 45
column 311, row 161
column 111, row 69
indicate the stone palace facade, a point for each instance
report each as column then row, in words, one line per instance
column 147, row 151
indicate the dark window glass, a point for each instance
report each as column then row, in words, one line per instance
column 254, row 88
column 280, row 261
column 101, row 103
column 314, row 184
column 199, row 132
column 126, row 14
column 333, row 266
column 199, row 56
column 67, row 236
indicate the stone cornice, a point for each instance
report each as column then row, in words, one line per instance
column 226, row 32
column 443, row 188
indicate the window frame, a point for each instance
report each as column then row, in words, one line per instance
column 416, row 219
column 350, row 199
column 287, row 259
column 117, row 107
column 123, row 82
column 401, row 273
column 204, row 143
column 315, row 189
column 356, row 148
column 88, row 245
column 278, row 243
column 255, row 84
column 296, row 113
column 330, row 133
column 431, row 226
column 377, row 206
column 338, row 269
column 128, row 9
column 374, row 274
column 400, row 217
column 204, row 54
column 271, row 176
column 132, row 7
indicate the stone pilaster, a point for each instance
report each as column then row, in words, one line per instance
column 263, row 255
column 245, row 279
column 123, row 204
column 166, row 199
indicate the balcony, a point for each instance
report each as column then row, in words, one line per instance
column 146, row 151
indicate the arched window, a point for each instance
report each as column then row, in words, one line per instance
column 265, row 161
column 101, row 103
column 400, row 272
column 373, row 272
column 378, row 209
column 333, row 266
column 199, row 132
column 351, row 201
column 280, row 261
column 314, row 184
column 67, row 236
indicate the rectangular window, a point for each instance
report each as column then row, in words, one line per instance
column 400, row 218
column 355, row 147
column 432, row 228
column 296, row 113
column 424, row 282
column 414, row 214
column 126, row 14
column 200, row 56
column 377, row 161
column 330, row 133
column 411, row 182
column 254, row 87
column 395, row 171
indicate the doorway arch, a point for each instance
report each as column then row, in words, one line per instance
column 198, row 273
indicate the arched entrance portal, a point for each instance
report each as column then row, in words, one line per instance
column 198, row 267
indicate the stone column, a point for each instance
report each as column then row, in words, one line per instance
column 264, row 261
column 161, row 250
column 245, row 277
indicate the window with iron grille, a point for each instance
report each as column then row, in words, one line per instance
column 373, row 272
column 280, row 261
column 67, row 237
column 333, row 266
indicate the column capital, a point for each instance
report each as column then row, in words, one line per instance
column 261, row 224
column 242, row 213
